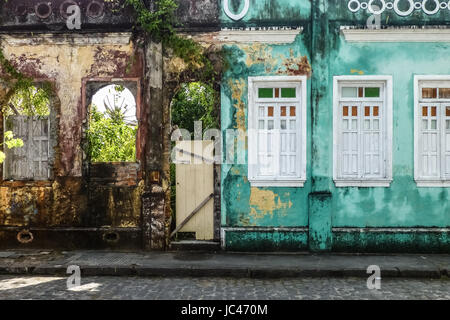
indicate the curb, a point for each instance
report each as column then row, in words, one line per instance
column 237, row 272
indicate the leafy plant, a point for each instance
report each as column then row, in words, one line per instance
column 194, row 102
column 110, row 139
column 29, row 101
column 10, row 142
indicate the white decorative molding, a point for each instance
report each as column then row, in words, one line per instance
column 363, row 183
column 358, row 5
column 239, row 16
column 396, row 35
column 271, row 36
column 119, row 38
column 391, row 230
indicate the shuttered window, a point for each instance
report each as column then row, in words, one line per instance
column 30, row 162
column 362, row 133
column 277, row 131
column 432, row 131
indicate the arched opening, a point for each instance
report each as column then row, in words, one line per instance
column 29, row 133
column 193, row 112
column 113, row 125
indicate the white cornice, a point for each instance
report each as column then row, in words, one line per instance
column 396, row 35
column 119, row 38
column 270, row 36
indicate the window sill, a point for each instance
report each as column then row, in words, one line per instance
column 279, row 183
column 363, row 183
column 26, row 183
column 433, row 183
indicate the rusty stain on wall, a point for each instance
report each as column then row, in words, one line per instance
column 266, row 202
column 238, row 86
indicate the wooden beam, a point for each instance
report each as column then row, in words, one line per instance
column 185, row 221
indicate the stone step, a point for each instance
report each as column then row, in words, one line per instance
column 195, row 245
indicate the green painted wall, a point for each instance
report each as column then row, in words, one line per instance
column 268, row 13
column 243, row 205
column 403, row 205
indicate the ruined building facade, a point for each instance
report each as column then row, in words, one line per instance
column 348, row 100
column 70, row 202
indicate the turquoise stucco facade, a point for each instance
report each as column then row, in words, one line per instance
column 320, row 216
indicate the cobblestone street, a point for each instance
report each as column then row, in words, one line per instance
column 124, row 288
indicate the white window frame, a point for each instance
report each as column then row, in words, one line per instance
column 433, row 81
column 386, row 81
column 276, row 81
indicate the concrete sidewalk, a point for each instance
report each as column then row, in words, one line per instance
column 185, row 264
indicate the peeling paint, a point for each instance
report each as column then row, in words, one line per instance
column 265, row 202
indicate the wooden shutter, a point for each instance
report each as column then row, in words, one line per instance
column 266, row 140
column 446, row 137
column 289, row 127
column 39, row 148
column 350, row 129
column 429, row 139
column 372, row 140
column 30, row 162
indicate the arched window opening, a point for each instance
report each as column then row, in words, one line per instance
column 28, row 135
column 113, row 125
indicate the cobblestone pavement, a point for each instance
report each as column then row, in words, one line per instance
column 125, row 288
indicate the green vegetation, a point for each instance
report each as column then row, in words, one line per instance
column 29, row 101
column 160, row 24
column 194, row 102
column 10, row 143
column 110, row 138
column 26, row 101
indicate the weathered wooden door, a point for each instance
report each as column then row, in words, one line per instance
column 195, row 188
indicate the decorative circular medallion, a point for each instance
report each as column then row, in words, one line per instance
column 431, row 12
column 404, row 13
column 379, row 11
column 95, row 9
column 43, row 10
column 355, row 9
column 233, row 16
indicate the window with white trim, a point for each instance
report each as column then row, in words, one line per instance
column 362, row 131
column 432, row 131
column 277, row 131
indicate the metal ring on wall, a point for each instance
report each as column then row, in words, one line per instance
column 357, row 7
column 233, row 16
column 90, row 11
column 389, row 5
column 379, row 11
column 43, row 5
column 25, row 236
column 428, row 12
column 404, row 13
column 63, row 8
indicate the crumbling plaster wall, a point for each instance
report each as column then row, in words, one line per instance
column 65, row 61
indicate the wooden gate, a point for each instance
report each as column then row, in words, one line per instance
column 195, row 188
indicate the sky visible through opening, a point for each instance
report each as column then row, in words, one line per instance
column 125, row 99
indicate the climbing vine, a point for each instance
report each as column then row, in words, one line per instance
column 159, row 23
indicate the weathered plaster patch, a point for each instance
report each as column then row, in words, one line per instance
column 258, row 53
column 360, row 72
column 265, row 202
column 238, row 88
column 66, row 65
